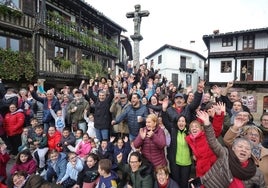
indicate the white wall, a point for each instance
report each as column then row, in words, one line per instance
column 215, row 74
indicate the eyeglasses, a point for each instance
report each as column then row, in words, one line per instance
column 264, row 119
column 133, row 162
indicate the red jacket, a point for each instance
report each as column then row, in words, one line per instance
column 13, row 123
column 205, row 157
column 52, row 141
column 4, row 158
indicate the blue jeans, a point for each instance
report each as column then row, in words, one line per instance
column 83, row 126
column 131, row 137
column 102, row 134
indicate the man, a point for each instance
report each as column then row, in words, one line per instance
column 180, row 107
column 102, row 115
column 119, row 104
column 76, row 111
column 264, row 127
column 135, row 114
column 49, row 102
column 234, row 96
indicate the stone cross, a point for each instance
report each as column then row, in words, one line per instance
column 137, row 15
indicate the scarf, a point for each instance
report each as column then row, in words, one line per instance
column 237, row 170
column 164, row 185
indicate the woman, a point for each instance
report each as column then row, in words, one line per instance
column 178, row 152
column 152, row 141
column 53, row 138
column 153, row 106
column 140, row 173
column 234, row 167
column 254, row 134
column 13, row 125
column 23, row 180
column 162, row 178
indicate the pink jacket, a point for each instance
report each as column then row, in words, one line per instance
column 83, row 149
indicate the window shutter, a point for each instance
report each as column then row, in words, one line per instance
column 50, row 50
column 26, row 44
column 72, row 54
column 28, row 7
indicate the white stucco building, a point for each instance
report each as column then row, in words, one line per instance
column 178, row 64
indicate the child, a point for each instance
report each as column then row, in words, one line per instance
column 197, row 141
column 104, row 151
column 24, row 139
column 89, row 176
column 4, row 158
column 94, row 146
column 90, row 126
column 67, row 139
column 59, row 119
column 84, row 147
column 25, row 162
column 34, row 123
column 108, row 178
column 122, row 145
column 39, row 148
column 74, row 166
column 56, row 166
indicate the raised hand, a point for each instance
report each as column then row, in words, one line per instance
column 219, row 107
column 204, row 117
column 165, row 104
column 119, row 157
column 142, row 133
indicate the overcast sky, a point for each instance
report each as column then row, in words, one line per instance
column 177, row 22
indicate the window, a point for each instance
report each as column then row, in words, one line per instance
column 159, row 59
column 174, row 79
column 200, row 64
column 226, row 66
column 9, row 43
column 248, row 42
column 228, row 41
column 60, row 51
column 183, row 62
column 188, row 80
column 247, row 70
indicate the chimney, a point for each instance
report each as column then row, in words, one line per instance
column 215, row 32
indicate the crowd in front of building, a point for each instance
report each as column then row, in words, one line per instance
column 135, row 129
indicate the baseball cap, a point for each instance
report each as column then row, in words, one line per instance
column 179, row 95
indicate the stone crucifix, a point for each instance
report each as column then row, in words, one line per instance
column 137, row 15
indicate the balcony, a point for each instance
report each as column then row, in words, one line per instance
column 59, row 28
column 15, row 21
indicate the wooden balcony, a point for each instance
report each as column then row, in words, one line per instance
column 17, row 23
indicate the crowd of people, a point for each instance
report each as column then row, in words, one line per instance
column 135, row 129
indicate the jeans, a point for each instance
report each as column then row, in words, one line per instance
column 83, row 126
column 102, row 134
